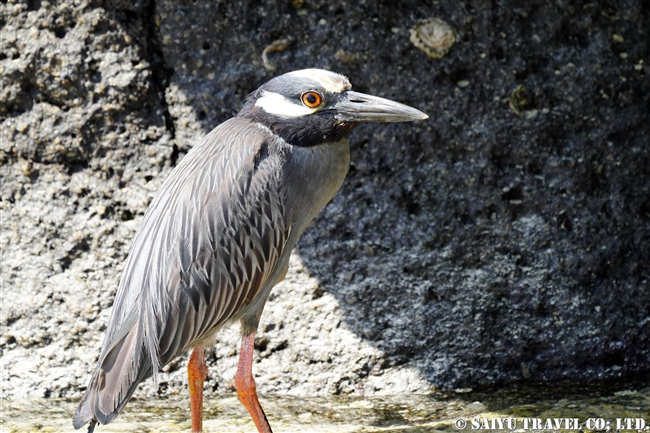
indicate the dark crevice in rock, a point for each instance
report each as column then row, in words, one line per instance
column 160, row 73
column 74, row 253
column 33, row 5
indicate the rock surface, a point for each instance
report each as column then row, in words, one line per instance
column 506, row 238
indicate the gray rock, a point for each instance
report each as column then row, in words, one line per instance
column 504, row 239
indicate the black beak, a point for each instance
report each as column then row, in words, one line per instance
column 359, row 107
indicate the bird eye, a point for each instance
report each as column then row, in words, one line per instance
column 311, row 99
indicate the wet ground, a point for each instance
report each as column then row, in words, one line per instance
column 558, row 407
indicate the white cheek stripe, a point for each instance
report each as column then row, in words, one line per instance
column 276, row 104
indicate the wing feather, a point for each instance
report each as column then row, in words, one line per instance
column 208, row 244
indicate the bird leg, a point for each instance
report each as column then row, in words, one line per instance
column 245, row 384
column 197, row 372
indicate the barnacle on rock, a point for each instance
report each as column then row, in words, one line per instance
column 433, row 36
column 522, row 101
column 279, row 45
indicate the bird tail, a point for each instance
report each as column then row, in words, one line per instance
column 121, row 368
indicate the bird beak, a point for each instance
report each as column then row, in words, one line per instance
column 359, row 107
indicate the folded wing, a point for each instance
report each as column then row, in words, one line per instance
column 208, row 244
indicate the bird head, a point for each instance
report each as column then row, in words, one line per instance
column 314, row 106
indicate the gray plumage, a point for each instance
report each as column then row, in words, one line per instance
column 217, row 237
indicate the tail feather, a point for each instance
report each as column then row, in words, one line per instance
column 121, row 369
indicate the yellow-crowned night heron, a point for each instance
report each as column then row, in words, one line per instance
column 218, row 235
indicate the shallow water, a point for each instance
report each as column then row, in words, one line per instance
column 566, row 406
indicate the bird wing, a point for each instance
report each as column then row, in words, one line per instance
column 210, row 240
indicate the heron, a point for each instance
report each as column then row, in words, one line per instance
column 219, row 232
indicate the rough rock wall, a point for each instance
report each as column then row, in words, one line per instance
column 481, row 246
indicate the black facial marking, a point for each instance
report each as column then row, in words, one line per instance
column 306, row 131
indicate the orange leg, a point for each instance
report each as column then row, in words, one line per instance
column 245, row 385
column 197, row 371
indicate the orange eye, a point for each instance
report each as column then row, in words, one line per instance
column 311, row 99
